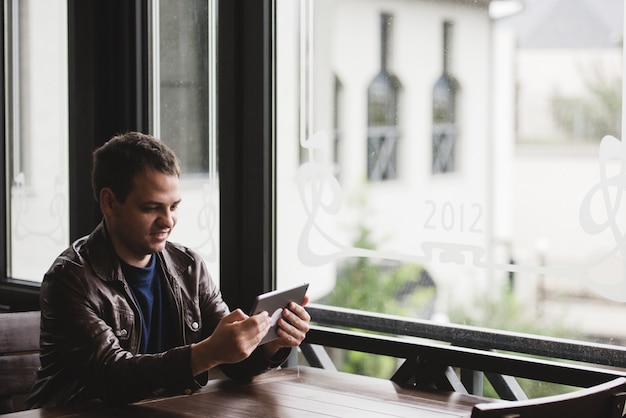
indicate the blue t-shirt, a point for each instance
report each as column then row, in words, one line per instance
column 145, row 284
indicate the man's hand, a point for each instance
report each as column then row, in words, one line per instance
column 234, row 339
column 291, row 328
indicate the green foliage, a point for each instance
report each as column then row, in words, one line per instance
column 366, row 285
column 367, row 364
column 594, row 115
column 404, row 289
column 504, row 312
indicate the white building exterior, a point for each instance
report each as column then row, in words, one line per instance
column 507, row 208
column 417, row 217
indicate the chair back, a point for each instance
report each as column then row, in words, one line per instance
column 602, row 401
column 19, row 356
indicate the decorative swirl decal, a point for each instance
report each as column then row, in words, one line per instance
column 321, row 194
column 207, row 222
column 23, row 227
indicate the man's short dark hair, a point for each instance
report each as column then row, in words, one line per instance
column 120, row 159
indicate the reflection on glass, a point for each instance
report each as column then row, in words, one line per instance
column 184, row 116
column 37, row 134
column 184, row 73
column 529, row 235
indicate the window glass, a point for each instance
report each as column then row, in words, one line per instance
column 37, row 135
column 184, row 118
column 455, row 161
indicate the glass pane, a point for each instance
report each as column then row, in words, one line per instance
column 184, row 114
column 37, row 127
column 498, row 198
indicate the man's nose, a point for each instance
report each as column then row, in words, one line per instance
column 167, row 218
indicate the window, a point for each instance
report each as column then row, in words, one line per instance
column 444, row 126
column 524, row 232
column 37, row 135
column 184, row 117
column 38, row 151
column 517, row 226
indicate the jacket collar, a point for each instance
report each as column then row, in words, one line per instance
column 100, row 255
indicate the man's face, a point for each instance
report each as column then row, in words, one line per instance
column 140, row 225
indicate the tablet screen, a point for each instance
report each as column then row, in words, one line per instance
column 274, row 302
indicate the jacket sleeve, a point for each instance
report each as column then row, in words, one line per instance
column 214, row 309
column 254, row 365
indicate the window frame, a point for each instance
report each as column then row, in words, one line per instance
column 109, row 46
column 246, row 149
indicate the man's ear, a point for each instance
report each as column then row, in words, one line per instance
column 107, row 201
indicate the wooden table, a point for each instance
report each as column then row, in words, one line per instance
column 291, row 392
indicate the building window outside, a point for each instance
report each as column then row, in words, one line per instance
column 337, row 120
column 37, row 135
column 445, row 127
column 382, row 112
column 525, row 233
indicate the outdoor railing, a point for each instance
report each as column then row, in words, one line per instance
column 455, row 357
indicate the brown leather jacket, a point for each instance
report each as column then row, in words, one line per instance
column 91, row 328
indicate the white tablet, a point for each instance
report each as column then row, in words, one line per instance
column 274, row 302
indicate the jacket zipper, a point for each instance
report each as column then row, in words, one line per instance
column 138, row 322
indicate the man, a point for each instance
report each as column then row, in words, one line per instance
column 126, row 314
